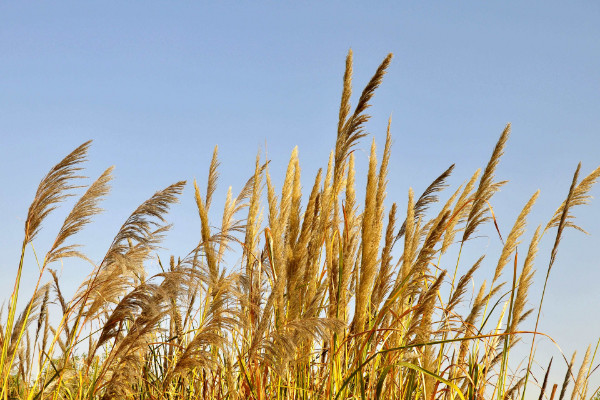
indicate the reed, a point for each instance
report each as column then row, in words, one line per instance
column 331, row 298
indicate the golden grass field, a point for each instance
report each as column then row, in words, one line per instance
column 334, row 298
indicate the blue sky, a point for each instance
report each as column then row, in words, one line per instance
column 157, row 85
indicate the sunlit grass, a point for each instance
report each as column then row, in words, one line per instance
column 334, row 298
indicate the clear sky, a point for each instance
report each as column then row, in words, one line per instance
column 158, row 84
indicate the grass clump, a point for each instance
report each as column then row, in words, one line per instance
column 332, row 299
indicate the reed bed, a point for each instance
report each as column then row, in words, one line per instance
column 334, row 297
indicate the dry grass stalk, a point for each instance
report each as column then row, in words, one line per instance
column 352, row 130
column 580, row 196
column 461, row 286
column 383, row 281
column 428, row 197
column 206, row 243
column 513, row 237
column 578, row 388
column 409, row 247
column 486, row 188
column 525, row 281
column 545, row 382
column 461, row 211
column 52, row 190
column 213, row 176
column 468, row 328
column 370, row 244
column 80, row 215
column 350, row 237
column 567, row 379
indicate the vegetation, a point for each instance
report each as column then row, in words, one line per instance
column 332, row 299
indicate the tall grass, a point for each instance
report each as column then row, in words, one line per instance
column 333, row 298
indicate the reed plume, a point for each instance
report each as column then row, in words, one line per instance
column 428, row 197
column 81, row 214
column 512, row 240
column 370, row 243
column 578, row 388
column 567, row 378
column 486, row 189
column 53, row 190
column 461, row 211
